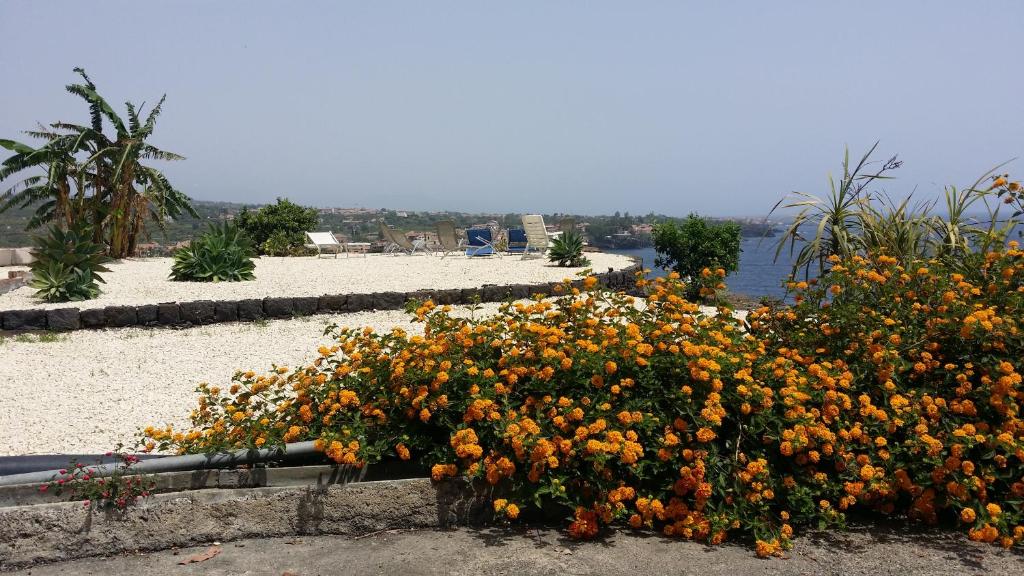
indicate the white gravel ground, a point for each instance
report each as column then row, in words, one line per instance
column 86, row 391
column 145, row 280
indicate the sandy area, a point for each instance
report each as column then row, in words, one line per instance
column 145, row 280
column 86, row 391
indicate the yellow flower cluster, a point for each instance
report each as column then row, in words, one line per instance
column 888, row 388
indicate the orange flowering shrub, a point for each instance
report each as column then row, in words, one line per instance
column 881, row 388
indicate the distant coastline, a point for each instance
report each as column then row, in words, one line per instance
column 617, row 231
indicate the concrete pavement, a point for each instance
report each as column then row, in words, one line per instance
column 865, row 550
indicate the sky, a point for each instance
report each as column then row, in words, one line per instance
column 719, row 108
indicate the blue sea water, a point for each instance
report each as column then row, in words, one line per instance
column 758, row 275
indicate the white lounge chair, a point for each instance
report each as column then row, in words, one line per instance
column 536, row 235
column 326, row 242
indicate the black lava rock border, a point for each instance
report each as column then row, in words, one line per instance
column 247, row 310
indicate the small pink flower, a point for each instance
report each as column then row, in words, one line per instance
column 43, row 488
column 63, row 471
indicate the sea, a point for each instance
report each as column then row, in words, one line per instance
column 759, row 273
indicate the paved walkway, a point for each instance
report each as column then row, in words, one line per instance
column 870, row 551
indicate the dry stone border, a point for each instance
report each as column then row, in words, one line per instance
column 209, row 312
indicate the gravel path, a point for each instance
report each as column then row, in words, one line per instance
column 145, row 280
column 88, row 390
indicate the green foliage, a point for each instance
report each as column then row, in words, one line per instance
column 85, row 175
column 567, row 250
column 223, row 254
column 67, row 265
column 695, row 244
column 278, row 228
column 279, row 244
column 120, row 489
column 853, row 220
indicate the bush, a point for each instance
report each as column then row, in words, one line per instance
column 884, row 389
column 223, row 254
column 696, row 244
column 567, row 250
column 67, row 265
column 852, row 219
column 277, row 229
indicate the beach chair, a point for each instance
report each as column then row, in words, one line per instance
column 448, row 238
column 479, row 242
column 516, row 241
column 397, row 243
column 536, row 235
column 324, row 241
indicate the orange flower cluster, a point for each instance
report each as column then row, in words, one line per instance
column 888, row 388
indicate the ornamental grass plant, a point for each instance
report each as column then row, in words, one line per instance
column 885, row 388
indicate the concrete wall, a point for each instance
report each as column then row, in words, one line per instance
column 16, row 257
column 314, row 504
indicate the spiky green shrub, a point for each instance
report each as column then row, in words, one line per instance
column 853, row 219
column 567, row 250
column 67, row 263
column 223, row 254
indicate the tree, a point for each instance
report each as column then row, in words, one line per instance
column 278, row 228
column 695, row 244
column 89, row 176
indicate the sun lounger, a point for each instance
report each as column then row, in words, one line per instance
column 327, row 243
column 448, row 238
column 479, row 242
column 516, row 241
column 536, row 235
column 397, row 242
column 324, row 241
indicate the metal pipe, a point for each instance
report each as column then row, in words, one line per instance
column 175, row 463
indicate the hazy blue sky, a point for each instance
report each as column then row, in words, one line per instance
column 593, row 107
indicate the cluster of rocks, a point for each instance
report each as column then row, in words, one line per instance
column 210, row 312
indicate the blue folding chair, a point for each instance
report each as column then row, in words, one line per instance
column 479, row 242
column 516, row 241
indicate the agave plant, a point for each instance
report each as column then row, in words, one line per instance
column 567, row 250
column 222, row 254
column 67, row 265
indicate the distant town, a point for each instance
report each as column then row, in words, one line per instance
column 361, row 225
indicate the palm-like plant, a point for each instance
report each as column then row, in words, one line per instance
column 89, row 175
column 833, row 218
column 853, row 220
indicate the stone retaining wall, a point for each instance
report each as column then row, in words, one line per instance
column 211, row 312
column 323, row 504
